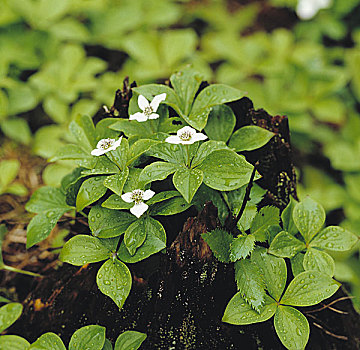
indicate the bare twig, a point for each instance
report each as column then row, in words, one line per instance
column 328, row 306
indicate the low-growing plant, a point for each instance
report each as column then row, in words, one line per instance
column 179, row 148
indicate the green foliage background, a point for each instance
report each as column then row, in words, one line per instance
column 62, row 58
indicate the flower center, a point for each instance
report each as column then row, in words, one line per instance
column 106, row 143
column 186, row 135
column 137, row 196
column 148, row 110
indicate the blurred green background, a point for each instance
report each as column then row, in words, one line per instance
column 61, row 58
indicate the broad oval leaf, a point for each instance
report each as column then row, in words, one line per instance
column 250, row 137
column 9, row 313
column 297, row 264
column 171, row 206
column 239, row 312
column 90, row 191
column 219, row 242
column 129, row 340
column 155, row 241
column 135, row 235
column 309, row 288
column 90, row 337
column 187, row 181
column 320, row 261
column 138, row 148
column 13, row 342
column 286, row 245
column 267, row 216
column 221, row 123
column 287, row 218
column 157, row 171
column 205, row 149
column 70, row 152
column 83, row 249
column 116, row 182
column 273, row 270
column 309, row 217
column 116, row 202
column 106, row 223
column 48, row 341
column 334, row 238
column 224, row 170
column 83, row 131
column 102, row 165
column 169, row 152
column 163, row 196
column 292, row 327
column 114, row 280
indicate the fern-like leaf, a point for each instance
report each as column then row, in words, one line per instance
column 219, row 242
column 241, row 247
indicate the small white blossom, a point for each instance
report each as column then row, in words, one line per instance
column 148, row 109
column 138, row 196
column 186, row 136
column 307, row 9
column 106, row 145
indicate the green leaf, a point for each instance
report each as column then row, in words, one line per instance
column 171, row 206
column 169, row 152
column 287, row 218
column 320, row 261
column 90, row 191
column 292, row 327
column 186, row 83
column 116, row 182
column 103, row 131
column 119, row 156
column 219, row 242
column 239, row 312
column 106, row 223
column 267, row 216
column 83, row 249
column 250, row 283
column 286, row 245
column 129, row 340
column 8, row 172
column 70, row 152
column 132, row 181
column 309, row 217
column 309, row 288
column 114, row 280
column 92, row 335
column 297, row 264
column 116, row 202
column 17, row 129
column 102, row 166
column 205, row 149
column 9, row 313
column 157, row 171
column 47, row 198
column 273, row 270
column 272, row 231
column 41, row 225
column 48, row 341
column 213, row 95
column 155, row 241
column 187, row 181
column 241, row 247
column 135, row 235
column 163, row 196
column 107, row 345
column 250, row 137
column 221, row 123
column 334, row 238
column 13, row 342
column 224, row 170
column 132, row 127
column 138, row 148
column 83, row 131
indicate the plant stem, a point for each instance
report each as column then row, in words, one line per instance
column 13, row 269
column 188, row 155
column 82, row 213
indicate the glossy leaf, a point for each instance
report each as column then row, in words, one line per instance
column 163, row 196
column 83, row 249
column 286, row 245
column 83, row 131
column 169, row 152
column 135, row 235
column 219, row 242
column 90, row 337
column 292, row 327
column 116, row 182
column 221, row 123
column 90, row 191
column 320, row 261
column 205, row 149
column 267, row 216
column 102, row 165
column 157, row 171
column 241, row 247
column 70, row 152
column 297, row 264
column 129, row 340
column 9, row 313
column 138, row 148
column 114, row 280
column 187, row 181
column 171, row 206
column 13, row 342
column 287, row 218
column 48, row 341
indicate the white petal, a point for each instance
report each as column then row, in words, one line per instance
column 115, row 145
column 306, row 9
column 143, row 102
column 154, row 116
column 156, row 101
column 139, row 209
column 148, row 194
column 98, row 152
column 189, row 142
column 199, row 137
column 127, row 197
column 187, row 129
column 140, row 117
column 173, row 139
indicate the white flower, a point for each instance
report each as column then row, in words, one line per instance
column 307, row 9
column 186, row 136
column 138, row 196
column 106, row 145
column 148, row 109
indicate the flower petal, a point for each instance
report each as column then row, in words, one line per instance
column 139, row 209
column 187, row 129
column 156, row 101
column 127, row 197
column 173, row 139
column 115, row 145
column 199, row 137
column 148, row 194
column 154, row 116
column 140, row 117
column 98, row 152
column 143, row 102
